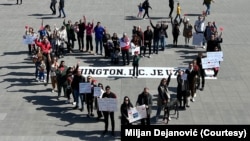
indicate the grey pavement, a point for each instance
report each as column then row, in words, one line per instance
column 30, row 112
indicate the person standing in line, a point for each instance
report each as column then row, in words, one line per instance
column 125, row 106
column 125, row 45
column 99, row 32
column 145, row 98
column 90, row 96
column 146, row 6
column 202, row 71
column 191, row 76
column 156, row 36
column 61, row 9
column 136, row 59
column 148, row 37
column 17, row 1
column 187, row 31
column 89, row 39
column 107, row 114
column 61, row 79
column 182, row 89
column 99, row 113
column 199, row 27
column 53, row 6
column 171, row 6
column 163, row 95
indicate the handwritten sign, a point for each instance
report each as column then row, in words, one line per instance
column 97, row 91
column 107, row 104
column 84, row 88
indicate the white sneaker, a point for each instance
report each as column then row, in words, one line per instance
column 194, row 94
column 204, row 47
column 53, row 91
column 74, row 103
column 149, row 56
column 169, row 118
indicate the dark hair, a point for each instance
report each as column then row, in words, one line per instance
column 100, row 85
column 107, row 87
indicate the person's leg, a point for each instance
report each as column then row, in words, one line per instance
column 157, row 46
column 60, row 11
column 112, row 118
column 91, row 43
column 106, row 121
column 82, row 42
column 87, row 42
column 101, row 46
column 133, row 70
column 127, row 55
column 158, row 112
column 123, row 57
column 96, row 46
column 79, row 43
column 137, row 72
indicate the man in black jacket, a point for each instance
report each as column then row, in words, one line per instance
column 156, row 36
column 148, row 36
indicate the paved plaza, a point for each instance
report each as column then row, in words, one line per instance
column 30, row 112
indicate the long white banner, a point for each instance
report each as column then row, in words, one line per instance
column 144, row 72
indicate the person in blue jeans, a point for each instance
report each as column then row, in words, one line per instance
column 61, row 9
column 99, row 32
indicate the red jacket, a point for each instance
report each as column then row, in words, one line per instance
column 45, row 47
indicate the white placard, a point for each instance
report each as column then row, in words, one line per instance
column 209, row 63
column 137, row 113
column 217, row 55
column 134, row 48
column 107, row 104
column 29, row 39
column 97, row 91
column 84, row 88
column 198, row 39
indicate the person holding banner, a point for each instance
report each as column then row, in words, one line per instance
column 90, row 96
column 109, row 94
column 145, row 98
column 99, row 113
column 124, row 111
column 77, row 79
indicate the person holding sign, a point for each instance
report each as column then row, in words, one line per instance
column 77, row 79
column 99, row 95
column 124, row 110
column 145, row 98
column 90, row 96
column 109, row 94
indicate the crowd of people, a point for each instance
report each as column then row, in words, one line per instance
column 52, row 43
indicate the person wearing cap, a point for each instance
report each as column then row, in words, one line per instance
column 125, row 45
column 109, row 94
column 187, row 31
column 135, row 64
